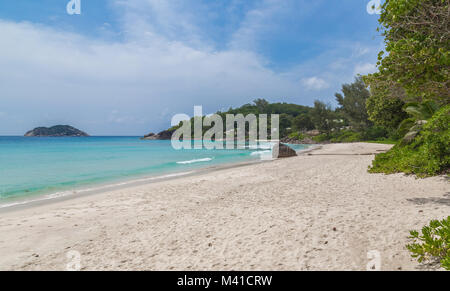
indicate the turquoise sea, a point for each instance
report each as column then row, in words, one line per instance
column 42, row 166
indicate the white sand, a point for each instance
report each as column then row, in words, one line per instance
column 270, row 216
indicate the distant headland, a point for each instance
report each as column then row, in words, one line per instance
column 56, row 131
column 163, row 135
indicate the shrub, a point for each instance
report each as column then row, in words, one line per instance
column 427, row 155
column 346, row 136
column 384, row 111
column 374, row 133
column 433, row 243
column 321, row 138
column 297, row 136
column 371, row 133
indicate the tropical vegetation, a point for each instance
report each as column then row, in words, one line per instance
column 410, row 93
column 406, row 102
column 432, row 244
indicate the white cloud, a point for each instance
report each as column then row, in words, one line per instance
column 256, row 22
column 165, row 65
column 73, row 77
column 315, row 83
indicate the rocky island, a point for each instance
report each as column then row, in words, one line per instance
column 163, row 135
column 56, row 131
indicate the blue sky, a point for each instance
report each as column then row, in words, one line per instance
column 124, row 67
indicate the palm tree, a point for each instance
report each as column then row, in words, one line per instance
column 420, row 113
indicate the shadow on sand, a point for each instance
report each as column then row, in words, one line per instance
column 434, row 200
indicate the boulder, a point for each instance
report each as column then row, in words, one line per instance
column 314, row 132
column 283, row 151
column 166, row 134
column 306, row 140
column 150, row 136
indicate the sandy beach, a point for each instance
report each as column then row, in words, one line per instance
column 318, row 211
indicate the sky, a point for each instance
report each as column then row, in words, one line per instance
column 125, row 67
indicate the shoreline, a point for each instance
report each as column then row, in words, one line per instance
column 311, row 212
column 43, row 199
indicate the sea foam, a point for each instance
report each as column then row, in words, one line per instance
column 258, row 153
column 195, row 161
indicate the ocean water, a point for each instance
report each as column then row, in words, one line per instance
column 38, row 167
